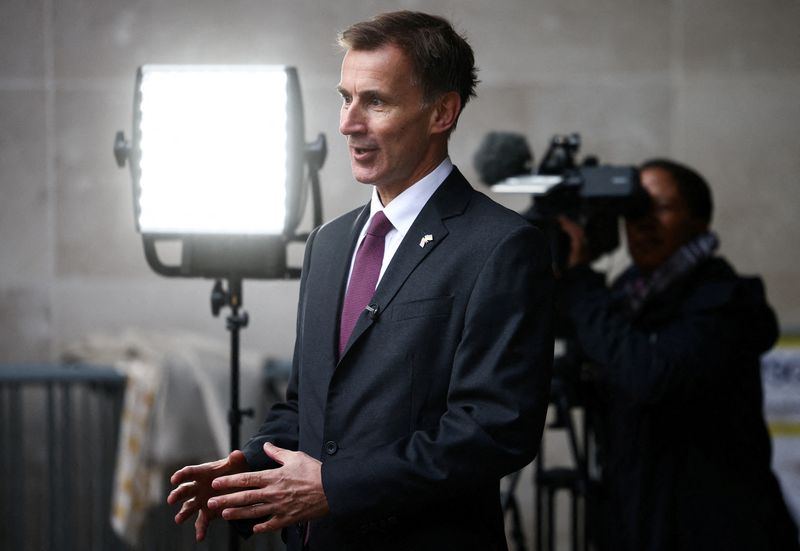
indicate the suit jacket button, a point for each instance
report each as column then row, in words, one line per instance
column 331, row 447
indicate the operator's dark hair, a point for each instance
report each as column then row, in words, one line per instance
column 441, row 58
column 691, row 185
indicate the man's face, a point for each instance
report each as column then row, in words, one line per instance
column 656, row 236
column 388, row 129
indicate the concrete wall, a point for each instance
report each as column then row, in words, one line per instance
column 713, row 83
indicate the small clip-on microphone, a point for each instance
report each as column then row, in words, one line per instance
column 374, row 310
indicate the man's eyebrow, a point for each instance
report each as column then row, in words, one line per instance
column 364, row 93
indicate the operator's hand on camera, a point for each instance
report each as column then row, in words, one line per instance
column 578, row 246
column 290, row 494
column 195, row 489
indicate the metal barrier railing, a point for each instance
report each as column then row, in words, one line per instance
column 58, row 442
column 59, row 426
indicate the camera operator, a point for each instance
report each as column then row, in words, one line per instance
column 676, row 341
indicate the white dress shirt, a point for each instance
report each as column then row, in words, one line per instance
column 402, row 211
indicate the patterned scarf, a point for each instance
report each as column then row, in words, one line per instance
column 640, row 289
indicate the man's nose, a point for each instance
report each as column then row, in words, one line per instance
column 351, row 121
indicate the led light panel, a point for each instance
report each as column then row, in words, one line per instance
column 215, row 149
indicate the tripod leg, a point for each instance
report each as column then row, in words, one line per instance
column 574, row 505
column 516, row 531
column 508, row 496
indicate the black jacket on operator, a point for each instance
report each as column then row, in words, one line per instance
column 685, row 453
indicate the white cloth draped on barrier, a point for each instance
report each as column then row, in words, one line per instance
column 175, row 409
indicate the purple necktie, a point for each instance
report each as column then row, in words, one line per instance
column 364, row 278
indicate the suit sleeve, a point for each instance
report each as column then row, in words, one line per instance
column 496, row 400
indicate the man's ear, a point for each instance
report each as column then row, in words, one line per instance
column 445, row 112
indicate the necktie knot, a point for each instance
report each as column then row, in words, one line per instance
column 379, row 226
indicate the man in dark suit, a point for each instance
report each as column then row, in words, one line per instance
column 412, row 394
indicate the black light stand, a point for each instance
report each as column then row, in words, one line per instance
column 232, row 297
column 234, row 322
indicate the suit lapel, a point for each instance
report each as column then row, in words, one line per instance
column 449, row 200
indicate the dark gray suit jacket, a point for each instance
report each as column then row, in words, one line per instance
column 436, row 397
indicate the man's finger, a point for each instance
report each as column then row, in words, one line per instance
column 279, row 455
column 256, row 510
column 273, row 524
column 240, row 481
column 189, row 472
column 188, row 508
column 192, row 472
column 179, row 476
column 237, row 460
column 201, row 526
column 184, row 491
column 236, row 499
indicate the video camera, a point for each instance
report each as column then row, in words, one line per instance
column 593, row 195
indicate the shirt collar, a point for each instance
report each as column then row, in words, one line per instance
column 403, row 209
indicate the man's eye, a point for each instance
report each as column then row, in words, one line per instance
column 375, row 101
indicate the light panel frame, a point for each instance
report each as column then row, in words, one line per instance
column 192, row 162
